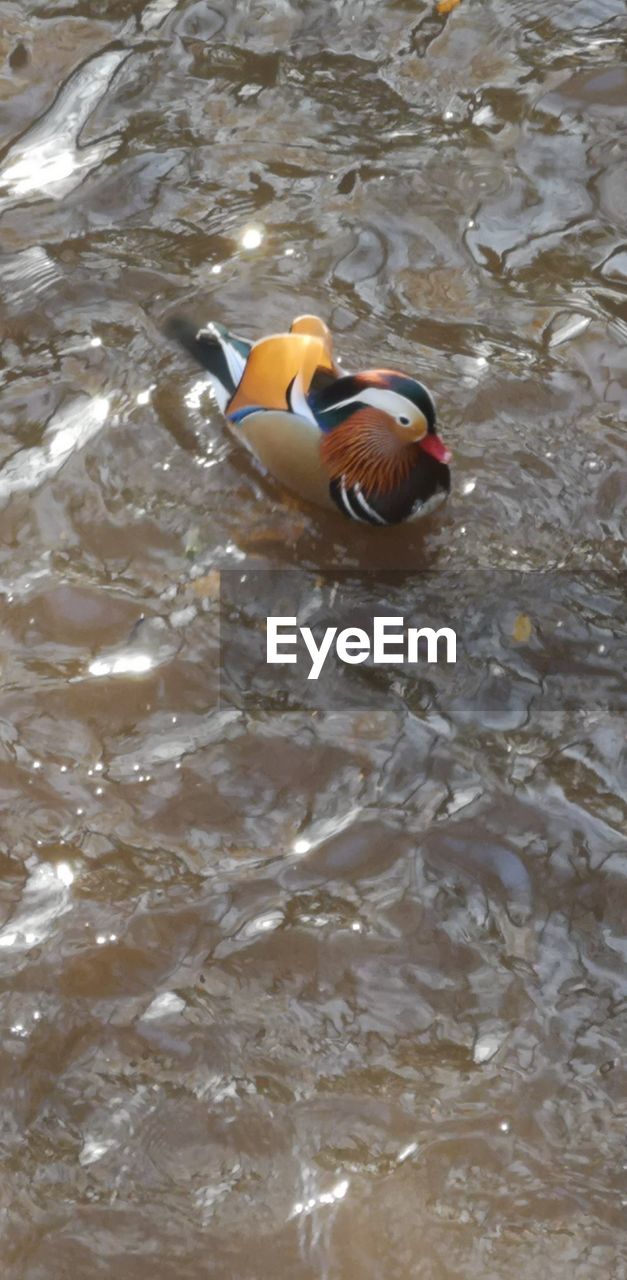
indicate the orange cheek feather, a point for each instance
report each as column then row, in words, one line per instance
column 366, row 451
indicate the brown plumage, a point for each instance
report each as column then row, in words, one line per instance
column 364, row 443
column 366, row 451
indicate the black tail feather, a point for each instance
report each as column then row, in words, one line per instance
column 203, row 346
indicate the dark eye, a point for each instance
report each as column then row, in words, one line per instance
column 403, row 420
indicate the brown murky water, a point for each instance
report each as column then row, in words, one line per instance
column 301, row 984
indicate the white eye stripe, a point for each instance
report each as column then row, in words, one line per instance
column 381, row 398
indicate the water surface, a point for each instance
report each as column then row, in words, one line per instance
column 301, row 984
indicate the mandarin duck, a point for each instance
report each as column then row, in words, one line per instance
column 363, row 442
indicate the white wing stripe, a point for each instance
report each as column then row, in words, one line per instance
column 374, row 515
column 298, row 401
column 347, row 503
column 236, row 363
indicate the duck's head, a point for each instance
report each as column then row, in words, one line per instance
column 377, row 426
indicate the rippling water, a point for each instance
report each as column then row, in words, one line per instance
column 301, row 984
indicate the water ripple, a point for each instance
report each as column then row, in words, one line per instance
column 48, row 159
